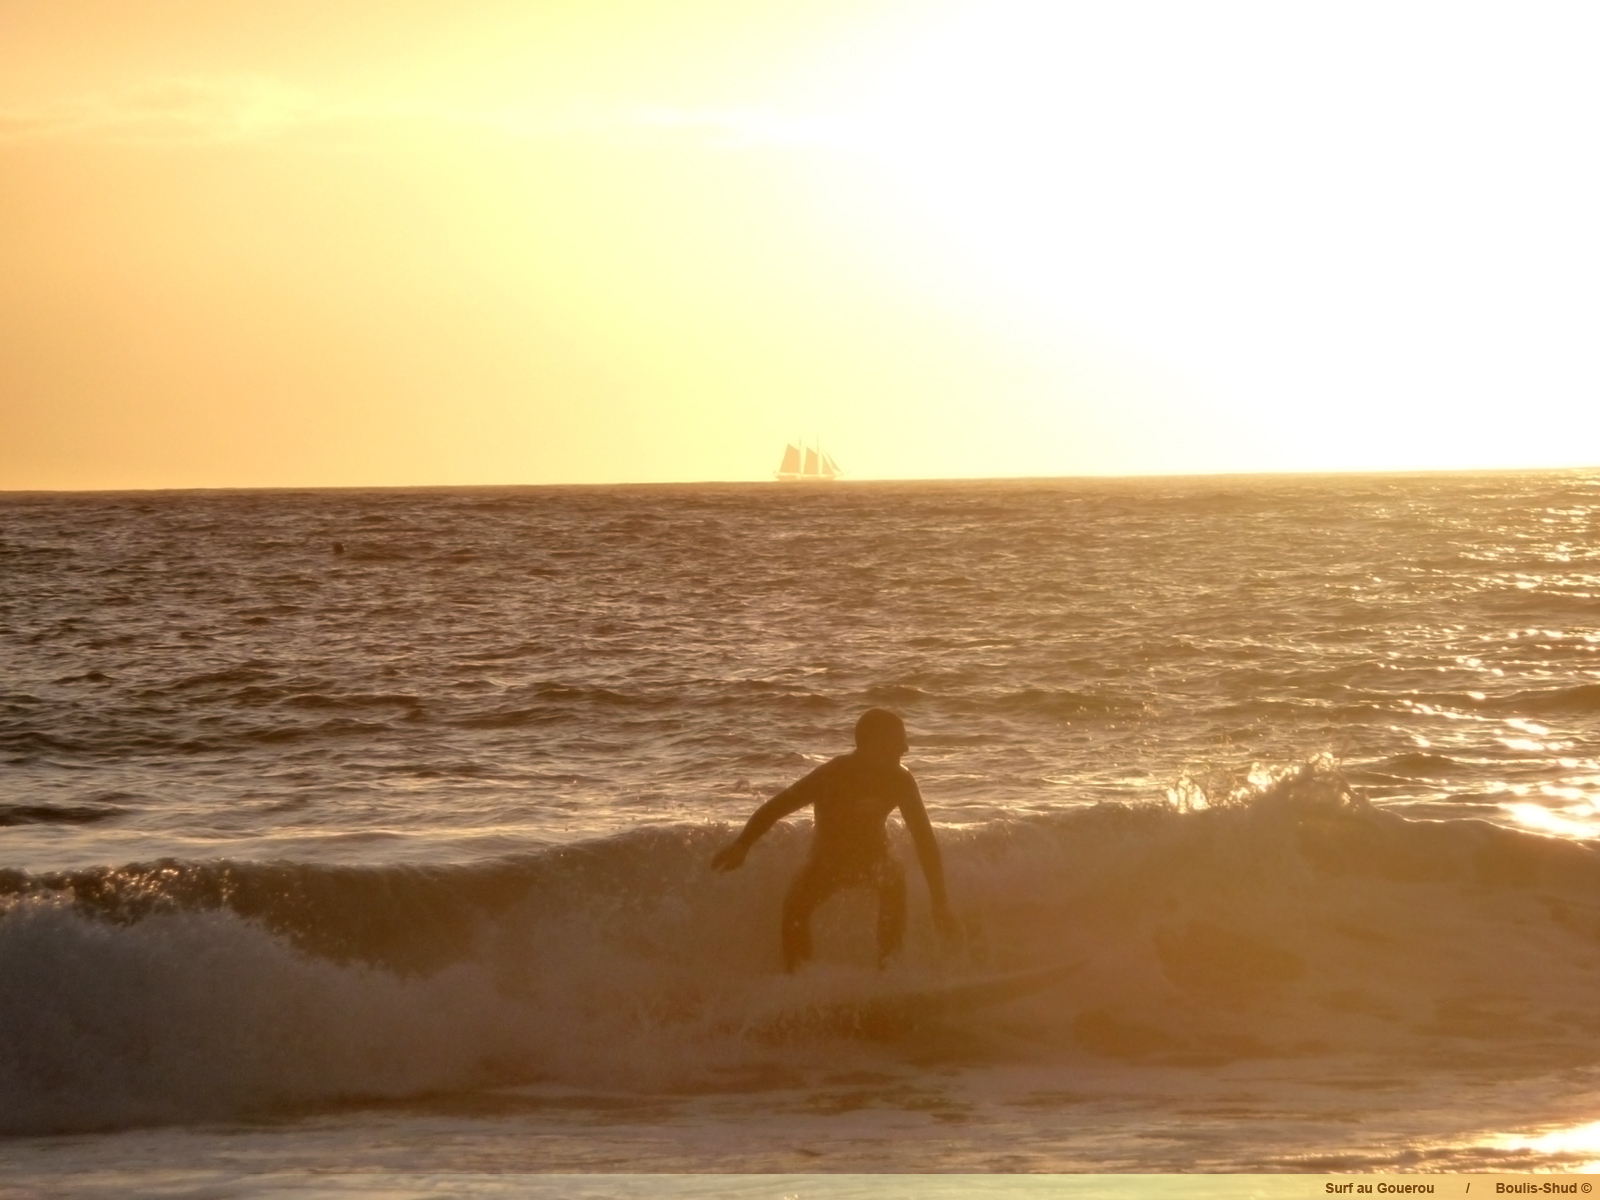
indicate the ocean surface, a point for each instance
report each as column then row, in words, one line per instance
column 351, row 832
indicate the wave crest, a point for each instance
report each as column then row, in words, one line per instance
column 1284, row 917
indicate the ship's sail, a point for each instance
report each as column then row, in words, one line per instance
column 806, row 462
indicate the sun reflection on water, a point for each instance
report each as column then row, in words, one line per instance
column 1536, row 816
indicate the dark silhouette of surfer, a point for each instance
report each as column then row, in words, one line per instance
column 851, row 798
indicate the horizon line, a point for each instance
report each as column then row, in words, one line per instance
column 808, row 486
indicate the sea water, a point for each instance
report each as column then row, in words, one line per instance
column 364, row 834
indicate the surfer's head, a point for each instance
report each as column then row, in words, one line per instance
column 879, row 731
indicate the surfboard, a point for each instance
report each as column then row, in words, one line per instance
column 900, row 1014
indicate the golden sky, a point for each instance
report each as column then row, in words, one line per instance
column 365, row 242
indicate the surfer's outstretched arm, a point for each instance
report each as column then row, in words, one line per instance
column 920, row 828
column 792, row 799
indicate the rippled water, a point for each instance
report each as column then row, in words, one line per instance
column 442, row 768
column 481, row 669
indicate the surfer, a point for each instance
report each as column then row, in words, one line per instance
column 851, row 798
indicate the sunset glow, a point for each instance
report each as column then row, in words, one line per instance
column 413, row 243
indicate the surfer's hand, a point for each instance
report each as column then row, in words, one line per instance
column 945, row 922
column 729, row 857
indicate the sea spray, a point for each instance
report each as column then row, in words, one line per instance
column 1296, row 923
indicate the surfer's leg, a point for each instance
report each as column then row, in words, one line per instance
column 891, row 883
column 809, row 889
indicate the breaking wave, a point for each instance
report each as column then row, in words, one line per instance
column 1283, row 918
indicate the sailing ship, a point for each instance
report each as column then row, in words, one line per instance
column 804, row 462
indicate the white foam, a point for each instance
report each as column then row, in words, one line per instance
column 188, row 1015
column 1297, row 926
